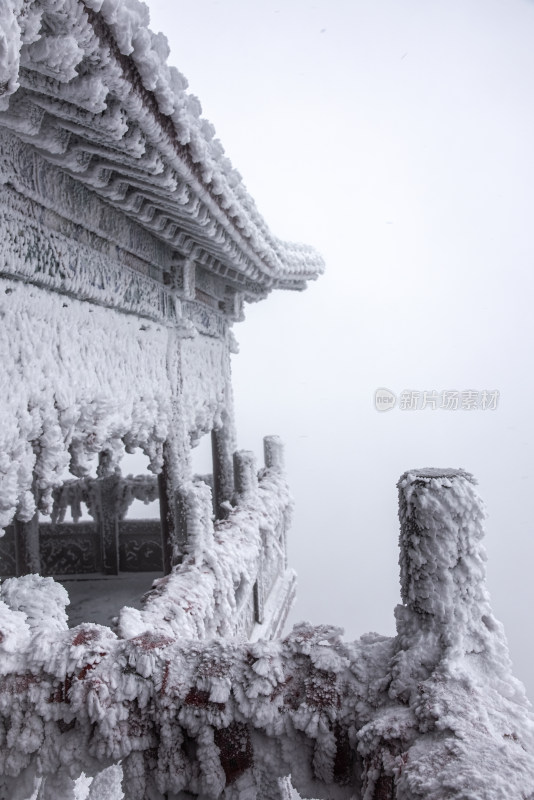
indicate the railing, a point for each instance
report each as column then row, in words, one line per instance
column 231, row 565
column 110, row 542
column 106, row 544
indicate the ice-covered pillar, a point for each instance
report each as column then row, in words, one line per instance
column 442, row 559
column 452, row 699
column 273, row 453
column 222, row 444
column 176, row 463
column 172, row 509
column 223, row 440
column 444, row 616
column 274, row 458
column 245, row 473
column 246, row 489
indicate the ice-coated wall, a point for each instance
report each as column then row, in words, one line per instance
column 69, row 394
column 79, row 379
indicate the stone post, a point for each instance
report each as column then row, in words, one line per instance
column 442, row 559
column 445, row 612
column 245, row 473
column 246, row 487
column 273, row 451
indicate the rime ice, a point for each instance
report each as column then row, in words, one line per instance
column 433, row 712
column 129, row 249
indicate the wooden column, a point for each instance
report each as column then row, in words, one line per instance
column 173, row 529
column 258, row 592
column 27, row 553
column 108, row 524
column 223, row 470
column 172, row 512
column 107, row 517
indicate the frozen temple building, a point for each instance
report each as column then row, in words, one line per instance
column 129, row 247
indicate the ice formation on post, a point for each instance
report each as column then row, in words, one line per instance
column 129, row 248
column 469, row 724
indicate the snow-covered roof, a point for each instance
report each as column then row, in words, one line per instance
column 88, row 85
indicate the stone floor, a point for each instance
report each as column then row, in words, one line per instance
column 100, row 599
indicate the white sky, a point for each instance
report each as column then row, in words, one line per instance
column 397, row 137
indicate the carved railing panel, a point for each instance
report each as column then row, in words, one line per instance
column 70, row 549
column 140, row 548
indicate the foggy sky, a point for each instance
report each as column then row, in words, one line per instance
column 396, row 137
